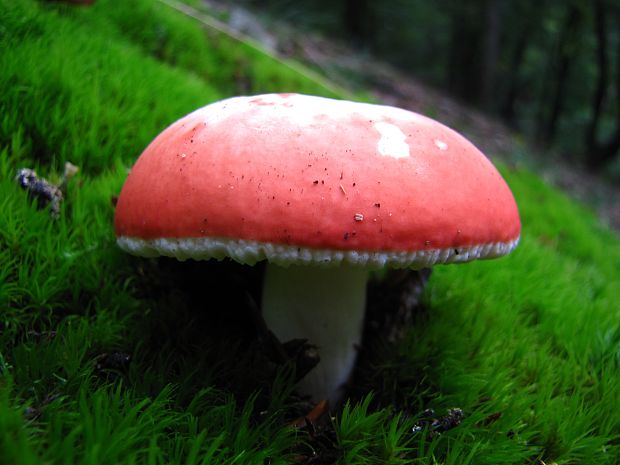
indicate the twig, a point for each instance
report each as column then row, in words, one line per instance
column 223, row 28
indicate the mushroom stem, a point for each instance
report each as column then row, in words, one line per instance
column 325, row 306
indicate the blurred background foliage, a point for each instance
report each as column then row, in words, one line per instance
column 549, row 68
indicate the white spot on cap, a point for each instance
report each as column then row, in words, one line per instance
column 441, row 145
column 392, row 142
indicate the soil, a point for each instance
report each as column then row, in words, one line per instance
column 350, row 68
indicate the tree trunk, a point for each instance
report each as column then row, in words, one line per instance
column 600, row 153
column 508, row 110
column 569, row 36
column 490, row 52
column 463, row 70
column 355, row 20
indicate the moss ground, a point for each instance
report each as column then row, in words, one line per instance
column 527, row 346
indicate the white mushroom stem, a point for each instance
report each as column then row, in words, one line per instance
column 325, row 306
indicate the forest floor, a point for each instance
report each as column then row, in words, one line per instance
column 355, row 69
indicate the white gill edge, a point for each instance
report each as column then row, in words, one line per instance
column 250, row 252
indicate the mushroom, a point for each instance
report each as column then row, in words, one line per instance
column 323, row 190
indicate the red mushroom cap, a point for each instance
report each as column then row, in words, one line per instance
column 314, row 178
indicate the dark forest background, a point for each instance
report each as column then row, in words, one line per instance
column 548, row 68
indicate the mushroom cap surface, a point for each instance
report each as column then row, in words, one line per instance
column 303, row 179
